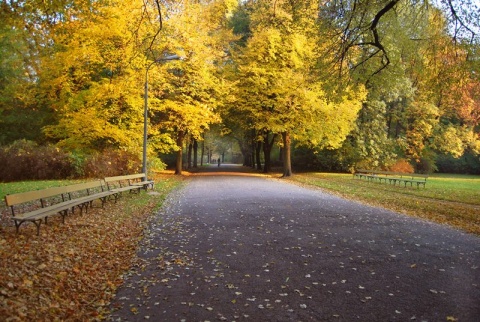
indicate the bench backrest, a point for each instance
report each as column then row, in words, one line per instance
column 418, row 175
column 391, row 173
column 126, row 177
column 84, row 186
column 22, row 197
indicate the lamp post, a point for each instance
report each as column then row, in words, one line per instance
column 145, row 111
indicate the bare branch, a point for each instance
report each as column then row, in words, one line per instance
column 373, row 28
column 150, row 47
column 459, row 21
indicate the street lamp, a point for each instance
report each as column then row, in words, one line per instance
column 145, row 111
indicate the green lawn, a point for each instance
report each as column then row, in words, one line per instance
column 446, row 199
column 23, row 186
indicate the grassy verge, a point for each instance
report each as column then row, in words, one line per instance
column 23, row 186
column 447, row 199
column 71, row 270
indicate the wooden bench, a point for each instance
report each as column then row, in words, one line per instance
column 392, row 177
column 131, row 183
column 36, row 206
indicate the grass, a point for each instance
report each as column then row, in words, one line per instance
column 23, row 186
column 447, row 199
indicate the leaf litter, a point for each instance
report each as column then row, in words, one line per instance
column 71, row 270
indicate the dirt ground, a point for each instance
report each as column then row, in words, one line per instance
column 236, row 247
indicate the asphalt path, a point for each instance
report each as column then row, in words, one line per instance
column 231, row 246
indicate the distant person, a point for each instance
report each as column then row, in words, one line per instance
column 218, row 161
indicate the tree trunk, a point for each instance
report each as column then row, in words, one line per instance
column 247, row 158
column 258, row 149
column 267, row 149
column 203, row 153
column 189, row 154
column 195, row 153
column 179, row 161
column 286, row 151
column 253, row 156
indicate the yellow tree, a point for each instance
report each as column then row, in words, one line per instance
column 280, row 86
column 92, row 79
column 445, row 114
column 26, row 30
column 190, row 91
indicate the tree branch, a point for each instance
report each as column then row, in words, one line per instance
column 376, row 38
column 150, row 47
column 458, row 20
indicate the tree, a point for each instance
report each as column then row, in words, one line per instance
column 281, row 89
column 25, row 37
column 409, row 77
column 192, row 88
column 361, row 25
column 97, row 95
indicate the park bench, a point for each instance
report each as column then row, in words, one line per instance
column 36, row 206
column 391, row 177
column 131, row 183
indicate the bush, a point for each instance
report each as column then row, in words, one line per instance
column 325, row 160
column 469, row 163
column 402, row 166
column 25, row 160
column 426, row 165
column 111, row 163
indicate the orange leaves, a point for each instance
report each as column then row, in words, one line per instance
column 71, row 270
column 468, row 107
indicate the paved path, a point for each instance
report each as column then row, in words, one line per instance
column 245, row 248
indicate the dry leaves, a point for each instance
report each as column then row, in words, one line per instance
column 71, row 270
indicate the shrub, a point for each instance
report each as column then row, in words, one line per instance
column 25, row 160
column 111, row 163
column 426, row 165
column 325, row 160
column 402, row 166
column 469, row 163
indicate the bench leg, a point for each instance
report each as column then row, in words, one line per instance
column 64, row 214
column 36, row 222
column 117, row 196
column 83, row 205
column 104, row 201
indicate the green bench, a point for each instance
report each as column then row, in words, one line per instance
column 36, row 206
column 392, row 177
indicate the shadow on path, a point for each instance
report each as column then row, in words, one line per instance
column 225, row 169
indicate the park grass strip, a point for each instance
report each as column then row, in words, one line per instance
column 442, row 204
